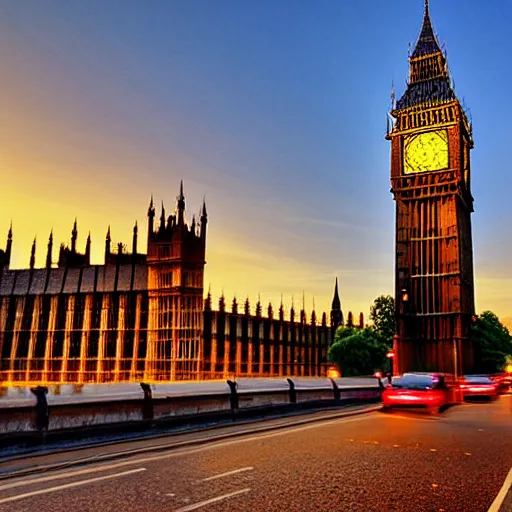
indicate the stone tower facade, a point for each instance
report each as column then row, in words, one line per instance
column 431, row 139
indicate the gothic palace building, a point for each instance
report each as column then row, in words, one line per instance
column 144, row 316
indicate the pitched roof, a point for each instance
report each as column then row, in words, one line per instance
column 427, row 41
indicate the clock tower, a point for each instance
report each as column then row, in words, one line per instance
column 431, row 139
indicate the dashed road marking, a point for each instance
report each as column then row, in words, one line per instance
column 68, row 486
column 228, row 473
column 201, row 504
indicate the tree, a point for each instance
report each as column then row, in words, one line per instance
column 492, row 343
column 382, row 314
column 358, row 351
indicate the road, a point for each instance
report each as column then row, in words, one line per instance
column 456, row 462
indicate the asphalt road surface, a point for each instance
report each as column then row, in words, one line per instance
column 456, row 462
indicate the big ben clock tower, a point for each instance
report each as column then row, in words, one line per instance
column 430, row 180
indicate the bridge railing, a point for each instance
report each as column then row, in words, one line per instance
column 63, row 407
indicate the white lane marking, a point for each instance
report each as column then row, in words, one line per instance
column 221, row 444
column 58, row 476
column 191, row 451
column 200, row 504
column 228, row 473
column 500, row 498
column 68, row 486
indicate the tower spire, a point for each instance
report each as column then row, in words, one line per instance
column 336, row 312
column 8, row 247
column 74, row 235
column 33, row 254
column 203, row 220
column 162, row 218
column 181, row 206
column 151, row 216
column 88, row 249
column 134, row 241
column 50, row 249
column 427, row 42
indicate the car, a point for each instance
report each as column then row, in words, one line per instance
column 430, row 391
column 479, row 386
column 503, row 381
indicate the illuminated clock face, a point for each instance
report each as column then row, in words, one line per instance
column 426, row 152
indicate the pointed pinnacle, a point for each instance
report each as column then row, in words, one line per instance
column 51, row 236
column 9, row 234
column 181, row 188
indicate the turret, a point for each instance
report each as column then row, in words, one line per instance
column 8, row 247
column 134, row 240
column 162, row 218
column 74, row 236
column 49, row 251
column 108, row 241
column 181, row 206
column 151, row 217
column 208, row 301
column 33, row 254
column 222, row 303
column 88, row 250
column 204, row 220
column 258, row 307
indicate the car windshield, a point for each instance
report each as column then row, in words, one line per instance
column 418, row 382
column 478, row 380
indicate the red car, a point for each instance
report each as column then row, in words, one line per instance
column 478, row 386
column 431, row 391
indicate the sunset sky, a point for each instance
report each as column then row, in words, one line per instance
column 275, row 110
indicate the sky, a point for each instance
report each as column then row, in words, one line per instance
column 274, row 110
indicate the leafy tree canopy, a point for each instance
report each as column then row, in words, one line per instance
column 492, row 343
column 382, row 314
column 358, row 351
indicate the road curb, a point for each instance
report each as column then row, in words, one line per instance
column 174, row 446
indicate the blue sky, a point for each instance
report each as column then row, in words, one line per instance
column 273, row 109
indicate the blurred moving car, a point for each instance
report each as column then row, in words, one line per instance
column 479, row 386
column 431, row 391
column 503, row 382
